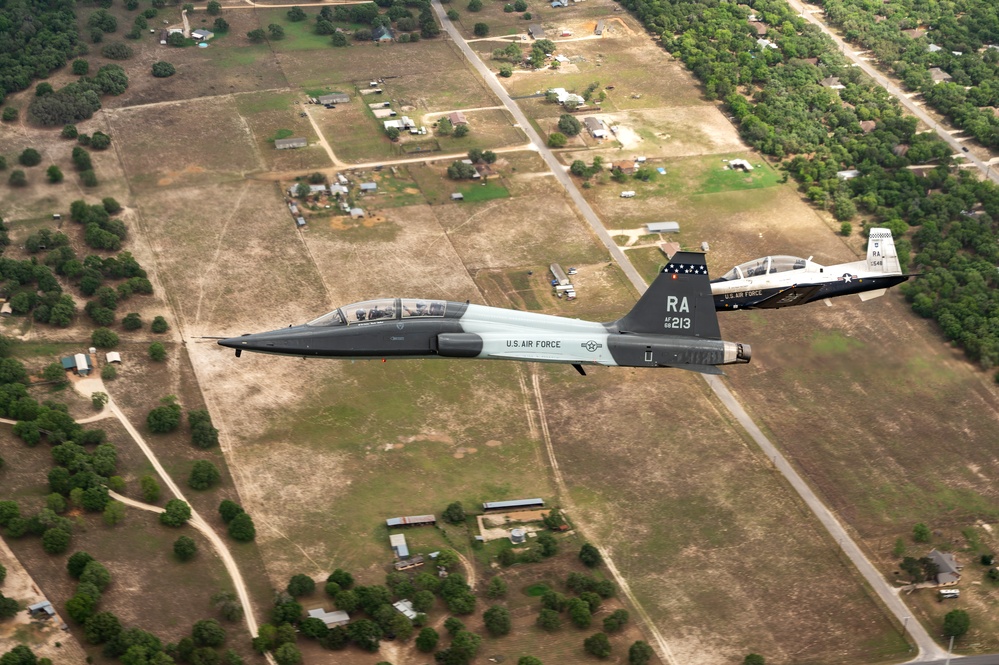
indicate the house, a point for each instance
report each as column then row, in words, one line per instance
column 740, row 164
column 114, row 357
column 408, row 564
column 915, row 33
column 163, row 37
column 760, row 28
column 336, row 190
column 562, row 96
column 368, row 186
column 83, row 365
column 43, row 609
column 868, row 126
column 626, row 167
column 662, row 227
column 406, row 607
column 595, row 127
column 288, row 144
column 356, row 213
column 381, row 34
column 457, row 118
column 832, row 82
column 599, row 30
column 948, row 571
column 413, row 520
column 933, row 48
column 202, row 35
column 383, row 113
column 331, row 619
column 630, row 194
column 398, row 544
column 848, row 174
column 334, row 98
column 900, row 150
column 515, row 503
column 457, row 196
column 313, row 190
column 536, row 31
column 939, row 75
column 561, row 59
column 765, row 44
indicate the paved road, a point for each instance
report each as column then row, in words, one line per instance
column 888, row 84
column 928, row 649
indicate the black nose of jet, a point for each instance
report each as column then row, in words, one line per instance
column 275, row 341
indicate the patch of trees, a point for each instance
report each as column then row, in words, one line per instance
column 39, row 37
column 163, row 69
column 165, row 418
column 460, row 171
column 79, row 100
column 203, row 433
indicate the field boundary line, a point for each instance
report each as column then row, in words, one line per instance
column 657, row 636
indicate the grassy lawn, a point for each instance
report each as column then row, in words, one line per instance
column 648, row 261
column 484, row 191
column 718, row 179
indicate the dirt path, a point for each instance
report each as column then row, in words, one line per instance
column 196, row 520
column 322, row 138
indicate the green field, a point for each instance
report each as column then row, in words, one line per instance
column 721, row 180
column 484, row 191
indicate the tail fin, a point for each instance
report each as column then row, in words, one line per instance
column 881, row 254
column 679, row 302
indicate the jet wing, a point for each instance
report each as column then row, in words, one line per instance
column 793, row 295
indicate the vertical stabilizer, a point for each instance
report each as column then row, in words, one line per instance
column 679, row 302
column 881, row 254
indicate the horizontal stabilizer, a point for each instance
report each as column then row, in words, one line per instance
column 794, row 295
column 870, row 295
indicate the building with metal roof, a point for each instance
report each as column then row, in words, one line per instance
column 516, row 503
column 334, row 98
column 285, row 144
column 398, row 544
column 406, row 607
column 406, row 564
column 331, row 619
column 536, row 31
column 369, row 186
column 662, row 227
column 412, row 520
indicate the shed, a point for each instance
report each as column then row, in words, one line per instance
column 398, row 543
column 113, row 357
column 848, row 174
column 536, row 31
column 517, row 536
column 933, row 48
column 868, row 126
column 336, row 190
column 285, row 144
column 627, row 166
column 83, row 365
column 412, row 520
column 457, row 118
column 43, row 608
column 334, row 98
column 331, row 619
column 760, row 28
column 740, row 164
column 662, row 227
column 939, row 75
column 356, row 213
column 406, row 607
column 299, row 221
column 368, row 186
column 832, row 82
column 5, row 309
column 202, row 35
column 457, row 196
column 515, row 503
column 68, row 363
column 380, row 105
column 559, row 275
column 381, row 34
column 599, row 30
column 630, row 194
column 407, row 564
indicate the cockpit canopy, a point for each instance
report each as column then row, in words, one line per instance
column 379, row 310
column 765, row 266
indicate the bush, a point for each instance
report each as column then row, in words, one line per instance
column 557, row 140
column 241, row 528
column 55, row 541
column 103, row 338
column 640, row 653
column 185, row 548
column 163, row 69
column 150, row 489
column 590, row 556
column 506, row 71
column 497, row 620
column 520, row 6
column 454, row 513
column 81, row 67
column 300, row 585
column 956, row 623
column 17, row 178
column 159, row 325
column 109, row 373
column 9, row 114
column 846, row 229
column 597, row 645
column 228, row 510
column 69, row 132
column 481, row 29
column 131, row 321
column 54, row 174
column 157, row 352
column 177, row 513
column 30, row 157
column 921, row 533
column 88, row 178
column 164, row 419
column 117, row 51
column 204, row 475
column 475, row 6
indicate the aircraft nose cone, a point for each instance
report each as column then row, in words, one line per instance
column 283, row 340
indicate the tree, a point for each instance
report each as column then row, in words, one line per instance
column 453, row 626
column 17, row 179
column 241, row 528
column 114, row 513
column 342, row 578
column 640, row 653
column 185, row 548
column 101, row 627
column 547, row 545
column 480, row 29
column 956, row 623
column 117, row 51
column 109, row 373
column 77, row 563
column 150, row 489
column 454, row 513
column 98, row 400
column 921, row 533
column 557, row 140
column 159, row 325
column 846, row 229
column 475, row 6
column 69, row 132
column 338, row 39
column 365, row 634
column 569, row 125
column 549, row 620
column 288, row 654
column 55, row 541
column 579, row 612
column 81, row 607
column 256, row 36
column 204, row 475
column 165, row 418
column 276, row 31
column 131, row 321
column 157, row 352
column 81, row 159
column 461, row 131
column 100, row 141
column 30, row 157
column 163, row 69
column 753, row 659
column 300, row 585
column 214, row 7
column 392, row 133
column 529, row 660
column 452, row 15
column 208, row 633
column 597, row 645
column 54, row 174
column 88, row 179
column 615, row 621
column 427, row 640
column 497, row 620
column 95, row 573
column 590, row 556
column 177, row 513
column 103, row 338
column 295, row 14
column 520, row 6
column 496, row 588
column 220, row 26
column 228, row 510
column 506, row 71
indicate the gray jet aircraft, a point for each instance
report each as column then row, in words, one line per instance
column 674, row 324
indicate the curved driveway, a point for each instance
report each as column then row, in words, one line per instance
column 927, row 647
